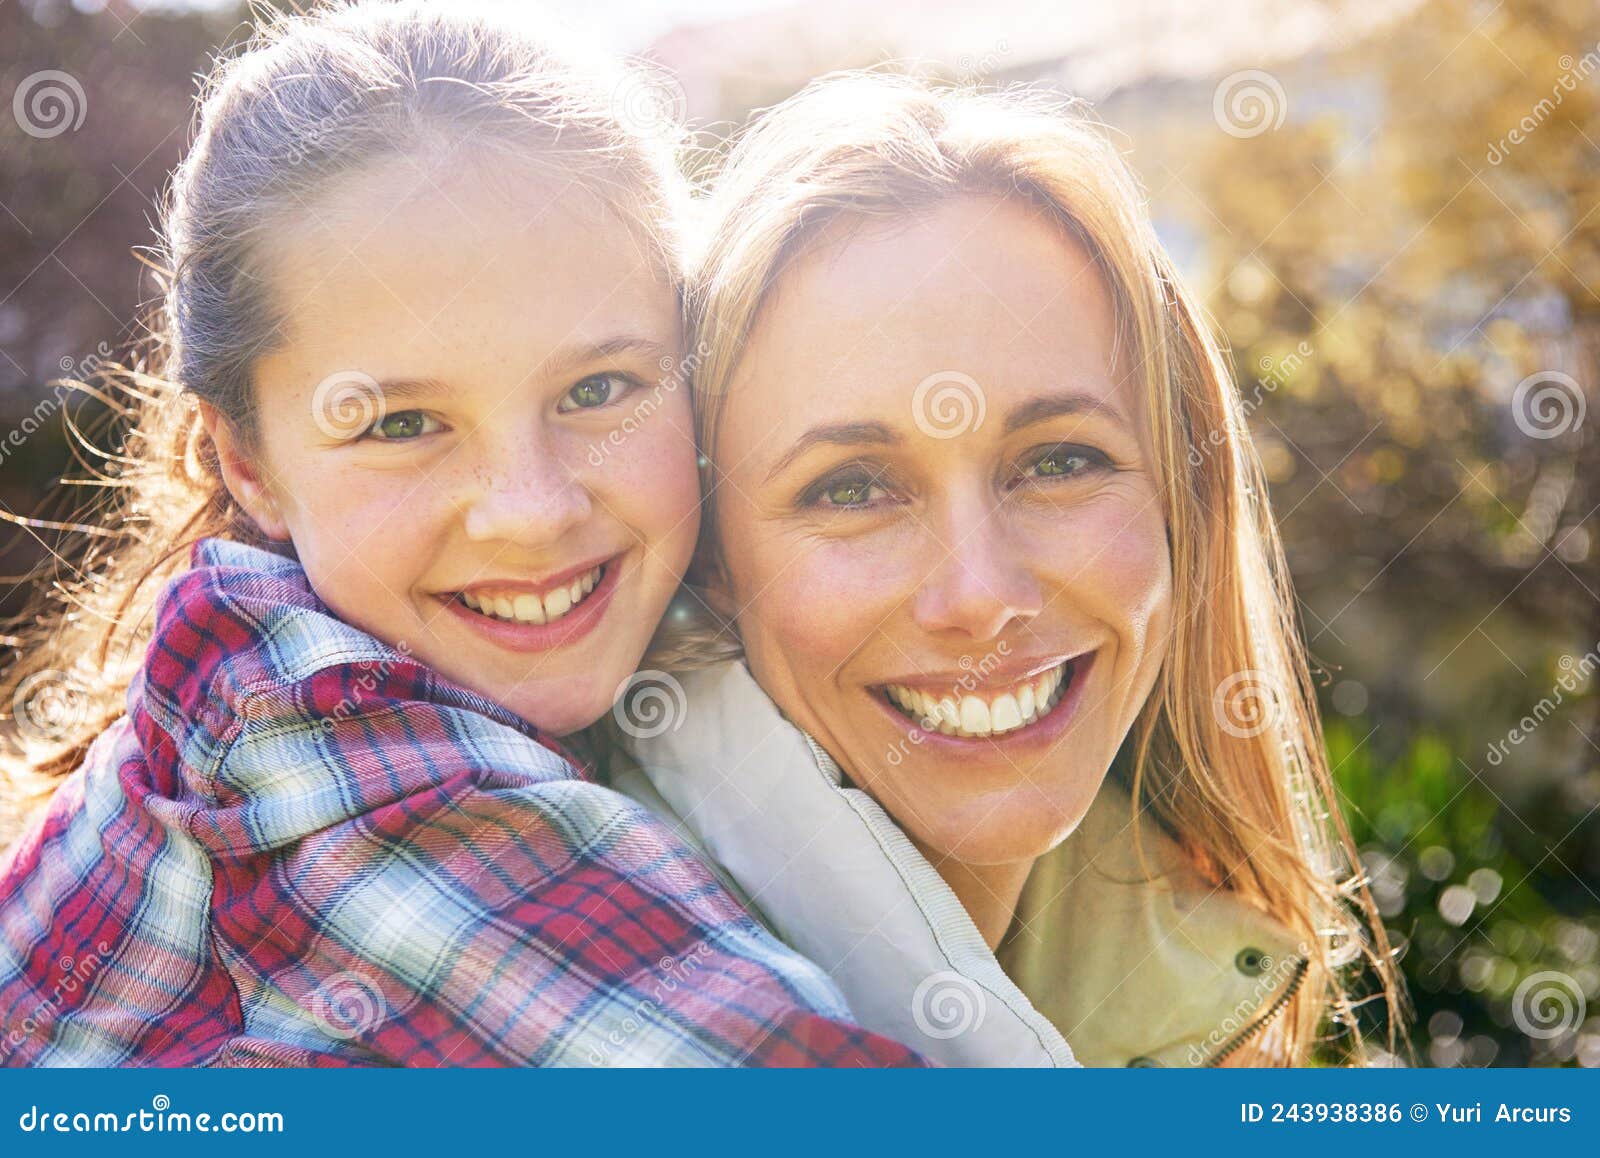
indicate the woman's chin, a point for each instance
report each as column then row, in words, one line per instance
column 1020, row 826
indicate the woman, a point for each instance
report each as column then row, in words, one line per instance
column 1023, row 749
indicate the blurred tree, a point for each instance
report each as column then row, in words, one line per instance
column 95, row 109
column 1441, row 524
column 1409, row 270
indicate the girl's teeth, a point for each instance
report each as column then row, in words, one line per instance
column 972, row 715
column 529, row 608
column 1004, row 714
column 557, row 603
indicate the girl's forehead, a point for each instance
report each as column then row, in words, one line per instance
column 460, row 284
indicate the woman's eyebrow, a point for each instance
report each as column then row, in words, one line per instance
column 835, row 434
column 1049, row 406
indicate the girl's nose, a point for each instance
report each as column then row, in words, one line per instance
column 979, row 583
column 530, row 496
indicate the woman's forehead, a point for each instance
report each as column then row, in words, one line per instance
column 974, row 289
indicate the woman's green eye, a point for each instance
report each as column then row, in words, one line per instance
column 1057, row 463
column 1062, row 462
column 846, row 491
column 848, row 494
column 401, row 425
column 596, row 390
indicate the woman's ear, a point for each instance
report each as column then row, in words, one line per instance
column 241, row 475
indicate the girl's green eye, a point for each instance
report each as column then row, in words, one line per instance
column 594, row 391
column 403, row 425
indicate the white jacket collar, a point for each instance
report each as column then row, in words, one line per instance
column 1128, row 970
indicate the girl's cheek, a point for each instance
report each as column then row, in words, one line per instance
column 653, row 472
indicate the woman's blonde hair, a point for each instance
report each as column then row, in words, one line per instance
column 307, row 99
column 1251, row 801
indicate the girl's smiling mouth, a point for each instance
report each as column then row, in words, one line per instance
column 524, row 616
column 950, row 709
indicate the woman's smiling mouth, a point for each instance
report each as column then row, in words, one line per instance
column 981, row 713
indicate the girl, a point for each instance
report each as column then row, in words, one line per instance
column 420, row 269
column 1023, row 748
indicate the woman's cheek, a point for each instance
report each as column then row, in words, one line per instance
column 1118, row 562
column 824, row 598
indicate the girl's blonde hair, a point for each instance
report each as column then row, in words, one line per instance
column 1251, row 802
column 308, row 99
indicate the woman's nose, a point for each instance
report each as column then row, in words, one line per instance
column 529, row 496
column 978, row 584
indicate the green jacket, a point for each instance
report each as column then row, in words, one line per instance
column 1101, row 968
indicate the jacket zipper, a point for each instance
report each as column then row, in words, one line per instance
column 1265, row 1019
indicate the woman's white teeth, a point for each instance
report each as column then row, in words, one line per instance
column 529, row 608
column 971, row 715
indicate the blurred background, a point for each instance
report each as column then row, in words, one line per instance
column 1392, row 211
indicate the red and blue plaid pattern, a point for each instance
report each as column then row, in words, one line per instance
column 303, row 847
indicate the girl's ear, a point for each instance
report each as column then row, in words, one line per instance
column 241, row 475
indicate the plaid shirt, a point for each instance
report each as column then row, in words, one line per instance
column 302, row 847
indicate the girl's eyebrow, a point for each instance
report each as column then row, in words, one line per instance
column 561, row 361
column 400, row 389
column 566, row 358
